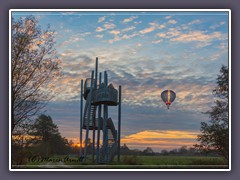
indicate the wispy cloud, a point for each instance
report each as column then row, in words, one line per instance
column 153, row 26
column 172, row 21
column 99, row 36
column 157, row 41
column 122, row 37
column 99, row 29
column 128, row 29
column 109, row 25
column 101, row 19
column 215, row 26
column 127, row 20
column 147, row 30
column 168, row 17
column 114, row 32
column 196, row 21
column 197, row 36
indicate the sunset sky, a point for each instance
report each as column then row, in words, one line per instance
column 146, row 53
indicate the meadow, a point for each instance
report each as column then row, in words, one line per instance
column 134, row 162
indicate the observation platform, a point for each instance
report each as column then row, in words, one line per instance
column 105, row 95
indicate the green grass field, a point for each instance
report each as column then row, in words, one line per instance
column 135, row 162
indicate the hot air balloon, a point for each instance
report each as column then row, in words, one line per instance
column 168, row 97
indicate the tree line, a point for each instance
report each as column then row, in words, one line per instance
column 181, row 151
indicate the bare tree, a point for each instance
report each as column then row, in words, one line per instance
column 34, row 65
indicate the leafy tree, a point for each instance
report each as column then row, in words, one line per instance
column 164, row 152
column 148, row 151
column 34, row 65
column 125, row 150
column 44, row 128
column 48, row 139
column 183, row 150
column 214, row 135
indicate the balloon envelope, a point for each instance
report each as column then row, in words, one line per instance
column 168, row 96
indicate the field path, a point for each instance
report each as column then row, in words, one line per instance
column 53, row 165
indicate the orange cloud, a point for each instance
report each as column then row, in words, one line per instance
column 161, row 139
column 197, row 36
column 129, row 19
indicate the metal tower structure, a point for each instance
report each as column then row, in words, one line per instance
column 98, row 97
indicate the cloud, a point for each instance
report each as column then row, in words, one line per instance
column 160, row 139
column 99, row 36
column 197, row 36
column 215, row 26
column 161, row 26
column 72, row 39
column 137, row 22
column 114, row 32
column 172, row 21
column 172, row 32
column 101, row 19
column 153, row 27
column 139, row 44
column 188, row 25
column 214, row 57
column 223, row 46
column 203, row 44
column 84, row 34
column 161, row 34
column 197, row 21
column 168, row 17
column 127, row 20
column 157, row 41
column 109, row 25
column 115, row 39
column 99, row 29
column 123, row 36
column 129, row 36
column 128, row 29
column 147, row 30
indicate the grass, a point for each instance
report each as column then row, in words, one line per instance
column 134, row 162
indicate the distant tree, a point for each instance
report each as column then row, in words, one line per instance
column 34, row 65
column 183, row 150
column 89, row 145
column 193, row 151
column 48, row 138
column 148, row 151
column 125, row 150
column 214, row 135
column 44, row 128
column 173, row 151
column 164, row 152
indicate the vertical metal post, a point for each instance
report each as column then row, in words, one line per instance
column 96, row 73
column 119, row 120
column 106, row 112
column 81, row 110
column 99, row 117
column 105, row 131
column 94, row 118
column 89, row 100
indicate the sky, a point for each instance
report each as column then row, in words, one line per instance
column 146, row 53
